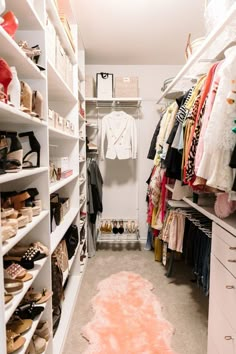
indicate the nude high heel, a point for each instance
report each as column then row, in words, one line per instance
column 26, row 97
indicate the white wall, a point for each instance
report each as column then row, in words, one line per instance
column 125, row 181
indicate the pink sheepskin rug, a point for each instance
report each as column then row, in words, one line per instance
column 128, row 318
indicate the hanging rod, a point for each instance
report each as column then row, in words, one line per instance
column 196, row 56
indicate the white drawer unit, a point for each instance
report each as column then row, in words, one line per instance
column 219, row 330
column 224, row 247
column 222, row 309
column 223, row 290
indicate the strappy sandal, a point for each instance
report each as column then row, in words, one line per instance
column 32, row 296
column 14, row 341
column 19, row 326
column 29, row 311
column 45, row 296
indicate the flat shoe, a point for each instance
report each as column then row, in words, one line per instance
column 14, row 271
column 13, row 286
column 37, row 345
column 43, row 330
column 14, row 342
column 32, row 296
column 18, row 325
column 45, row 296
column 7, row 299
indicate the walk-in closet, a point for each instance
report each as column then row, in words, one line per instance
column 118, row 177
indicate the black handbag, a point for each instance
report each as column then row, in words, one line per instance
column 72, row 239
column 55, row 210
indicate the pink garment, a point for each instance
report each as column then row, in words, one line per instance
column 207, row 113
column 163, row 197
column 176, row 232
column 223, row 206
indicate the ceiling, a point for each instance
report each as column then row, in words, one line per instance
column 138, row 31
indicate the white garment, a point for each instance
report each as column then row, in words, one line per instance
column 219, row 140
column 119, row 129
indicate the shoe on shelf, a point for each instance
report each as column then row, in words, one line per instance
column 15, row 271
column 18, row 325
column 37, row 104
column 115, row 229
column 32, row 157
column 43, row 330
column 14, row 341
column 28, row 311
column 15, row 153
column 2, row 9
column 37, row 297
column 10, row 23
column 121, row 227
column 7, row 299
column 26, row 97
column 13, row 286
column 5, row 77
column 31, row 52
column 37, row 345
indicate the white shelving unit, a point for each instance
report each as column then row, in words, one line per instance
column 64, row 97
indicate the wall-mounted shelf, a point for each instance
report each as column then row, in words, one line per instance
column 114, row 102
column 205, row 50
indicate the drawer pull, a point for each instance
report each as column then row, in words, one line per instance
column 232, row 260
column 228, row 338
column 230, row 287
column 233, row 248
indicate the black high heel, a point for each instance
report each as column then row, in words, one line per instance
column 35, row 148
column 15, row 153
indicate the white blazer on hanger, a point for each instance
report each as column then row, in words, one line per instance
column 119, row 128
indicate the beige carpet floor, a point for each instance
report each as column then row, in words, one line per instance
column 184, row 304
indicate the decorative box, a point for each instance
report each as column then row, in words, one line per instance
column 59, row 122
column 65, row 204
column 67, row 173
column 67, row 126
column 89, row 86
column 62, row 163
column 126, row 87
column 72, row 128
column 51, row 118
column 51, row 41
column 104, row 85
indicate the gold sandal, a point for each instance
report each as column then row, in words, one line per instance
column 14, row 341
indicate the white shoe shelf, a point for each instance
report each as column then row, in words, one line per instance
column 67, row 100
